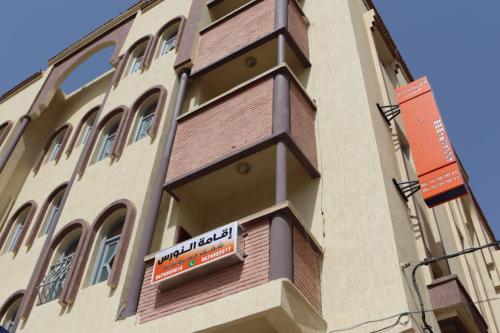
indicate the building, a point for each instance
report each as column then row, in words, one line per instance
column 262, row 112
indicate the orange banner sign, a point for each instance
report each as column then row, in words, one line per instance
column 437, row 167
column 199, row 255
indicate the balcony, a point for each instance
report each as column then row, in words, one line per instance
column 454, row 308
column 247, row 300
column 238, row 124
column 247, row 27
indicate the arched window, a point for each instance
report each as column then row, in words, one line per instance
column 9, row 310
column 17, row 226
column 108, row 245
column 84, row 129
column 148, row 109
column 47, row 217
column 50, row 219
column 111, row 134
column 4, row 131
column 54, row 147
column 168, row 37
column 63, row 255
column 111, row 233
column 108, row 140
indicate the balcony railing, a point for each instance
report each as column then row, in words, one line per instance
column 251, row 273
column 247, row 27
column 453, row 307
column 239, row 123
column 53, row 282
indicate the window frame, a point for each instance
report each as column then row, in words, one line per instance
column 99, row 263
column 148, row 114
column 107, row 142
column 18, row 226
column 53, row 210
column 172, row 37
column 28, row 210
column 63, row 132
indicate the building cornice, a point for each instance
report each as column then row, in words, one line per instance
column 386, row 35
column 12, row 91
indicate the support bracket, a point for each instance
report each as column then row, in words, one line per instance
column 407, row 189
column 389, row 112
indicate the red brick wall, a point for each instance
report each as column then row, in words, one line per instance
column 226, row 125
column 303, row 123
column 306, row 269
column 298, row 27
column 251, row 273
column 235, row 33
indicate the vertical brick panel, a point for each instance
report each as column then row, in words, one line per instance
column 252, row 272
column 306, row 269
column 226, row 125
column 298, row 27
column 237, row 32
column 303, row 124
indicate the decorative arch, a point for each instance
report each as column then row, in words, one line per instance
column 78, row 130
column 56, row 241
column 160, row 106
column 4, row 130
column 43, row 211
column 66, row 129
column 10, row 301
column 75, row 56
column 128, row 226
column 123, row 113
column 181, row 20
column 31, row 206
column 148, row 39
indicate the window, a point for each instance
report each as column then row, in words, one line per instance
column 56, row 147
column 107, row 142
column 137, row 61
column 51, row 217
column 8, row 323
column 52, row 151
column 108, row 246
column 51, row 286
column 17, row 231
column 89, row 126
column 145, row 122
column 10, row 313
column 168, row 43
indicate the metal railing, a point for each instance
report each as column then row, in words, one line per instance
column 51, row 285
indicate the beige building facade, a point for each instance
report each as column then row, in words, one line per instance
column 259, row 112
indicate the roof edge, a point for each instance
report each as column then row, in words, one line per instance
column 386, row 35
column 12, row 91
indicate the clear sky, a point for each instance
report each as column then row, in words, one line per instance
column 455, row 43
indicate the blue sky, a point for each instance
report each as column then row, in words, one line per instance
column 455, row 43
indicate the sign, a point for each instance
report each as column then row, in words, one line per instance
column 199, row 255
column 438, row 170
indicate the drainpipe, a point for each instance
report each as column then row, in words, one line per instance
column 25, row 120
column 281, row 230
column 134, row 292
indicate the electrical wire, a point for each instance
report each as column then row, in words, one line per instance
column 423, row 311
column 401, row 315
column 428, row 261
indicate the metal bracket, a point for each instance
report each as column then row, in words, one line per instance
column 389, row 112
column 407, row 189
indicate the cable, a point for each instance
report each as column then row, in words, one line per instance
column 428, row 261
column 407, row 313
column 423, row 311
